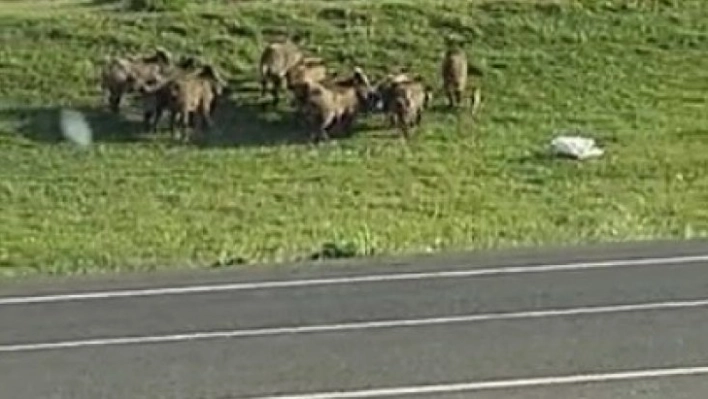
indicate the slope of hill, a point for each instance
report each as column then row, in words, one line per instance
column 634, row 76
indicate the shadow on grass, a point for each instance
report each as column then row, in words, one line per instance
column 441, row 107
column 42, row 124
column 249, row 124
column 252, row 121
column 243, row 121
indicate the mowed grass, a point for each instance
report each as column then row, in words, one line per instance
column 632, row 74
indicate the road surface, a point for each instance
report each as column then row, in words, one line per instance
column 621, row 321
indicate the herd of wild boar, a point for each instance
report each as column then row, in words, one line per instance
column 189, row 90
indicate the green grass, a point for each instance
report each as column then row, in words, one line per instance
column 635, row 76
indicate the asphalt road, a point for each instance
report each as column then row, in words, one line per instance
column 620, row 321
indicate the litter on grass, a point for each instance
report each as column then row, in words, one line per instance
column 576, row 147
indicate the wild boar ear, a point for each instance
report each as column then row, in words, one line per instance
column 208, row 71
column 215, row 75
column 185, row 62
column 359, row 74
column 123, row 63
column 297, row 38
column 163, row 55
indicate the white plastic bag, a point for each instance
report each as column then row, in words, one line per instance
column 576, row 147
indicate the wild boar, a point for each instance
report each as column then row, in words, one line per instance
column 308, row 70
column 455, row 70
column 408, row 101
column 336, row 104
column 124, row 75
column 384, row 93
column 454, row 74
column 187, row 96
column 276, row 60
column 156, row 95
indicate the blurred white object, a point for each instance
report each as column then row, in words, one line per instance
column 576, row 147
column 75, row 128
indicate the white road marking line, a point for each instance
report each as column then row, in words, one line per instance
column 365, row 325
column 500, row 384
column 678, row 260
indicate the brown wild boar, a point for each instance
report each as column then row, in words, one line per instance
column 454, row 74
column 407, row 102
column 310, row 69
column 155, row 99
column 336, row 104
column 384, row 93
column 276, row 60
column 456, row 70
column 195, row 95
column 124, row 75
column 156, row 92
column 187, row 96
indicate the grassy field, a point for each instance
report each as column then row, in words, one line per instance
column 634, row 76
